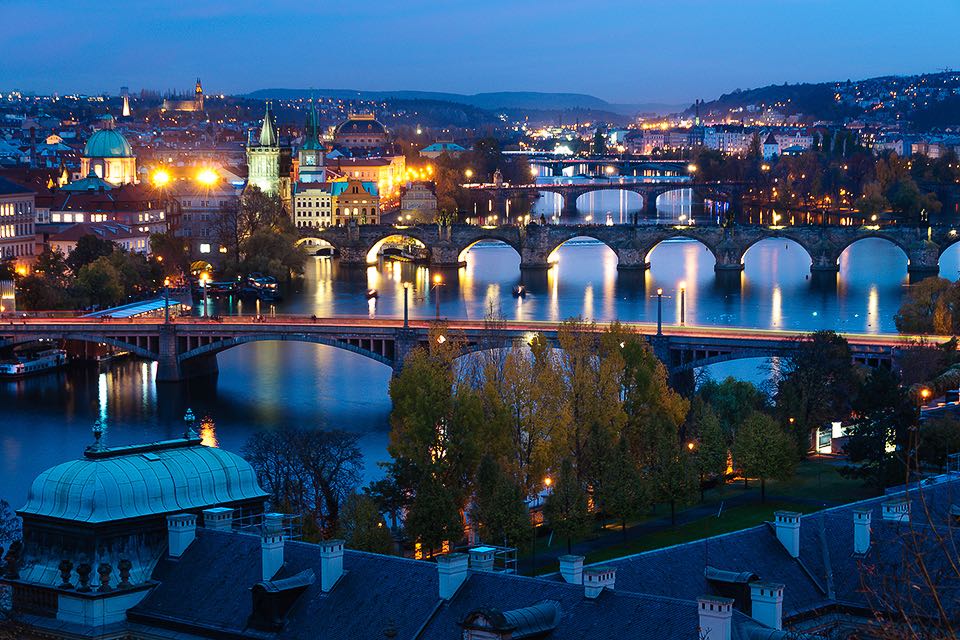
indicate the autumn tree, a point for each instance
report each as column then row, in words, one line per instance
column 499, row 508
column 565, row 509
column 624, row 494
column 706, row 440
column 763, row 450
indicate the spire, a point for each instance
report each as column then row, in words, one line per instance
column 268, row 133
column 199, row 88
column 126, row 106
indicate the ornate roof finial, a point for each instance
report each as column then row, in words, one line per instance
column 97, row 430
column 190, row 430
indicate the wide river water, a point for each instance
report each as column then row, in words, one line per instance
column 46, row 420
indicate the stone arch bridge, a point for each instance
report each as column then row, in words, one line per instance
column 188, row 347
column 445, row 245
column 648, row 190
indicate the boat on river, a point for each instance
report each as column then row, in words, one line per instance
column 32, row 362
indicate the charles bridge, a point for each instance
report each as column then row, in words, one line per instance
column 446, row 245
column 186, row 347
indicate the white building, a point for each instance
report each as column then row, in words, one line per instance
column 312, row 205
column 17, row 220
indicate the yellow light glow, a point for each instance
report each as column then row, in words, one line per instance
column 692, row 168
column 207, row 176
column 468, row 173
column 437, row 279
column 160, row 178
column 548, row 481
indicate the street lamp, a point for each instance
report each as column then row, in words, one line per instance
column 437, row 283
column 406, row 305
column 659, row 312
column 692, row 168
column 683, row 302
column 204, row 276
column 166, row 300
column 468, row 173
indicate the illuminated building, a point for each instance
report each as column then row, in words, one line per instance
column 438, row 149
column 311, row 155
column 360, row 134
column 312, row 205
column 354, row 200
column 418, row 202
column 195, row 211
column 109, row 156
column 184, row 104
column 17, row 219
column 268, row 162
column 388, row 172
column 132, row 239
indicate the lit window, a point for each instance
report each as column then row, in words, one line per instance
column 204, row 248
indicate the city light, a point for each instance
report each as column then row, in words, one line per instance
column 468, row 173
column 207, row 177
column 692, row 168
column 160, row 178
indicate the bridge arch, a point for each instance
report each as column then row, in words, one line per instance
column 680, row 234
column 584, row 234
column 627, row 190
column 777, row 236
column 82, row 337
column 843, row 246
column 316, row 245
column 384, row 355
column 486, row 238
column 401, row 237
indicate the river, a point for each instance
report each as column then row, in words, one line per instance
column 45, row 420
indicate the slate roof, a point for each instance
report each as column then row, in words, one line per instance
column 9, row 188
column 377, row 593
column 827, row 573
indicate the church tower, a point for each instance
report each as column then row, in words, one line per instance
column 198, row 96
column 268, row 162
column 312, row 151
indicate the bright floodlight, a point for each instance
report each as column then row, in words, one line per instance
column 207, row 176
column 160, row 177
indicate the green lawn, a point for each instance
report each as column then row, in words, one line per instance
column 817, row 484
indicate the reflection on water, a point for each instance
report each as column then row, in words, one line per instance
column 268, row 385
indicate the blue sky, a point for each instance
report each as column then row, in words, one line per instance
column 622, row 51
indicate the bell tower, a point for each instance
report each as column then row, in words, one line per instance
column 198, row 96
column 312, row 151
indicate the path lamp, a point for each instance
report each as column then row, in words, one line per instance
column 204, row 277
column 659, row 312
column 406, row 305
column 437, row 283
column 166, row 300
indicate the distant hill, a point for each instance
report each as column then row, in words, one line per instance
column 505, row 100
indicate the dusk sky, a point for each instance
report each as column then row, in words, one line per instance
column 622, row 51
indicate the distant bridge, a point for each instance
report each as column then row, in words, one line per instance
column 187, row 347
column 649, row 189
column 446, row 245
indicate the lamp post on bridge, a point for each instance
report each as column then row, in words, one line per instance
column 406, row 305
column 437, row 283
column 683, row 302
column 659, row 312
column 166, row 301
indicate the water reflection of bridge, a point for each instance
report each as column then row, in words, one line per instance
column 445, row 246
column 188, row 347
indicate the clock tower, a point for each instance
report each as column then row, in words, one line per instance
column 312, row 152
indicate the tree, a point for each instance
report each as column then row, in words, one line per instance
column 624, row 493
column 879, row 437
column 10, row 524
column 872, row 202
column 363, row 527
column 709, row 446
column 172, row 252
column 99, row 283
column 499, row 508
column 939, row 437
column 307, row 471
column 817, row 386
column 48, row 286
column 88, row 249
column 672, row 473
column 732, row 401
column 565, row 509
column 599, row 142
column 434, row 515
column 763, row 450
column 930, row 307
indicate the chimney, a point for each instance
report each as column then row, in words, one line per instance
column 766, row 603
column 331, row 563
column 788, row 531
column 481, row 558
column 896, row 510
column 271, row 544
column 595, row 579
column 861, row 530
column 181, row 530
column 716, row 617
column 453, row 573
column 218, row 519
column 571, row 568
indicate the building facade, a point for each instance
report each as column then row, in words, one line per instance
column 17, row 221
column 312, row 205
column 355, row 201
column 360, row 134
column 185, row 104
column 312, row 152
column 418, row 203
column 196, row 214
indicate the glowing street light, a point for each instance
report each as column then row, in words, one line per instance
column 659, row 312
column 548, row 481
column 683, row 302
column 692, row 168
column 207, row 177
column 160, row 178
column 468, row 173
column 406, row 305
column 437, row 283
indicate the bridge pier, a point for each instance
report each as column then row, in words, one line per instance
column 169, row 367
column 569, row 209
column 632, row 260
column 446, row 256
column 353, row 256
column 650, row 205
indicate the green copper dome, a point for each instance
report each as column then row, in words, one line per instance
column 107, row 143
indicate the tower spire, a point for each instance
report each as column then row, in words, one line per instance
column 268, row 133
